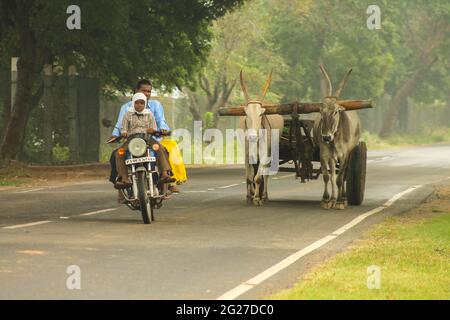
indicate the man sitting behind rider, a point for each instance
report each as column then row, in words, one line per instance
column 144, row 86
column 141, row 120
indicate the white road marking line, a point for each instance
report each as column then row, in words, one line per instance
column 251, row 283
column 50, row 191
column 26, row 225
column 31, row 190
column 193, row 191
column 64, row 186
column 391, row 201
column 211, row 189
column 98, row 211
column 229, row 186
column 62, row 217
column 357, row 220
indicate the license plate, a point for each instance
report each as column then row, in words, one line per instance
column 140, row 160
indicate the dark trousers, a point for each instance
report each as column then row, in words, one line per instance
column 112, row 162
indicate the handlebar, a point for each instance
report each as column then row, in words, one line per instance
column 158, row 133
column 113, row 139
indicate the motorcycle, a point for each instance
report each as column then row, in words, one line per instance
column 146, row 193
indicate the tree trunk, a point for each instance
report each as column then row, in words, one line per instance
column 216, row 98
column 447, row 116
column 400, row 97
column 5, row 94
column 74, row 134
column 227, row 88
column 48, row 114
column 28, row 67
column 193, row 105
column 15, row 128
column 195, row 114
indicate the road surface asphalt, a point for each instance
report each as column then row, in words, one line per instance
column 204, row 242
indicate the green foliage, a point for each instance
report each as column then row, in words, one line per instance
column 60, row 153
column 333, row 33
column 176, row 43
column 120, row 40
column 295, row 37
column 12, row 174
column 420, row 32
column 208, row 121
column 185, row 120
column 33, row 146
column 240, row 42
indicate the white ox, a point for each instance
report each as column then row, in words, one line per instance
column 257, row 160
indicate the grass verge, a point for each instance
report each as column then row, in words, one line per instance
column 14, row 174
column 412, row 251
column 424, row 137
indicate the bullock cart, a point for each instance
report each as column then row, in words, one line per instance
column 298, row 148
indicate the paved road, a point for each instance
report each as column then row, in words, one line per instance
column 206, row 241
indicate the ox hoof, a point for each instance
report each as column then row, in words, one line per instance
column 339, row 206
column 258, row 202
column 327, row 204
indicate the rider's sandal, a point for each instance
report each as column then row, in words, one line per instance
column 168, row 180
column 122, row 185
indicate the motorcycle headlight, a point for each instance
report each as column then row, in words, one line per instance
column 137, row 147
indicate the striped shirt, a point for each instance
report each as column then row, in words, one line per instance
column 138, row 123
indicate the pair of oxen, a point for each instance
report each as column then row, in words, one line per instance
column 336, row 132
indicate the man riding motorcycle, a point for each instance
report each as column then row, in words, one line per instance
column 137, row 121
column 143, row 86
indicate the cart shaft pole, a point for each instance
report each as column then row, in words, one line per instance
column 302, row 107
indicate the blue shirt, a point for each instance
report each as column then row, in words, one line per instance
column 155, row 107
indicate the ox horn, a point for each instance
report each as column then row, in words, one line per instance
column 325, row 74
column 266, row 86
column 244, row 87
column 342, row 84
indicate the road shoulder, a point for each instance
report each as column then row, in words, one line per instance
column 404, row 257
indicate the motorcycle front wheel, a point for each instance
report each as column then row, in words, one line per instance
column 144, row 201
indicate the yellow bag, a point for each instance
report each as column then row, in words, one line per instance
column 175, row 160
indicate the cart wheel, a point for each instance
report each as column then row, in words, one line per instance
column 356, row 180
